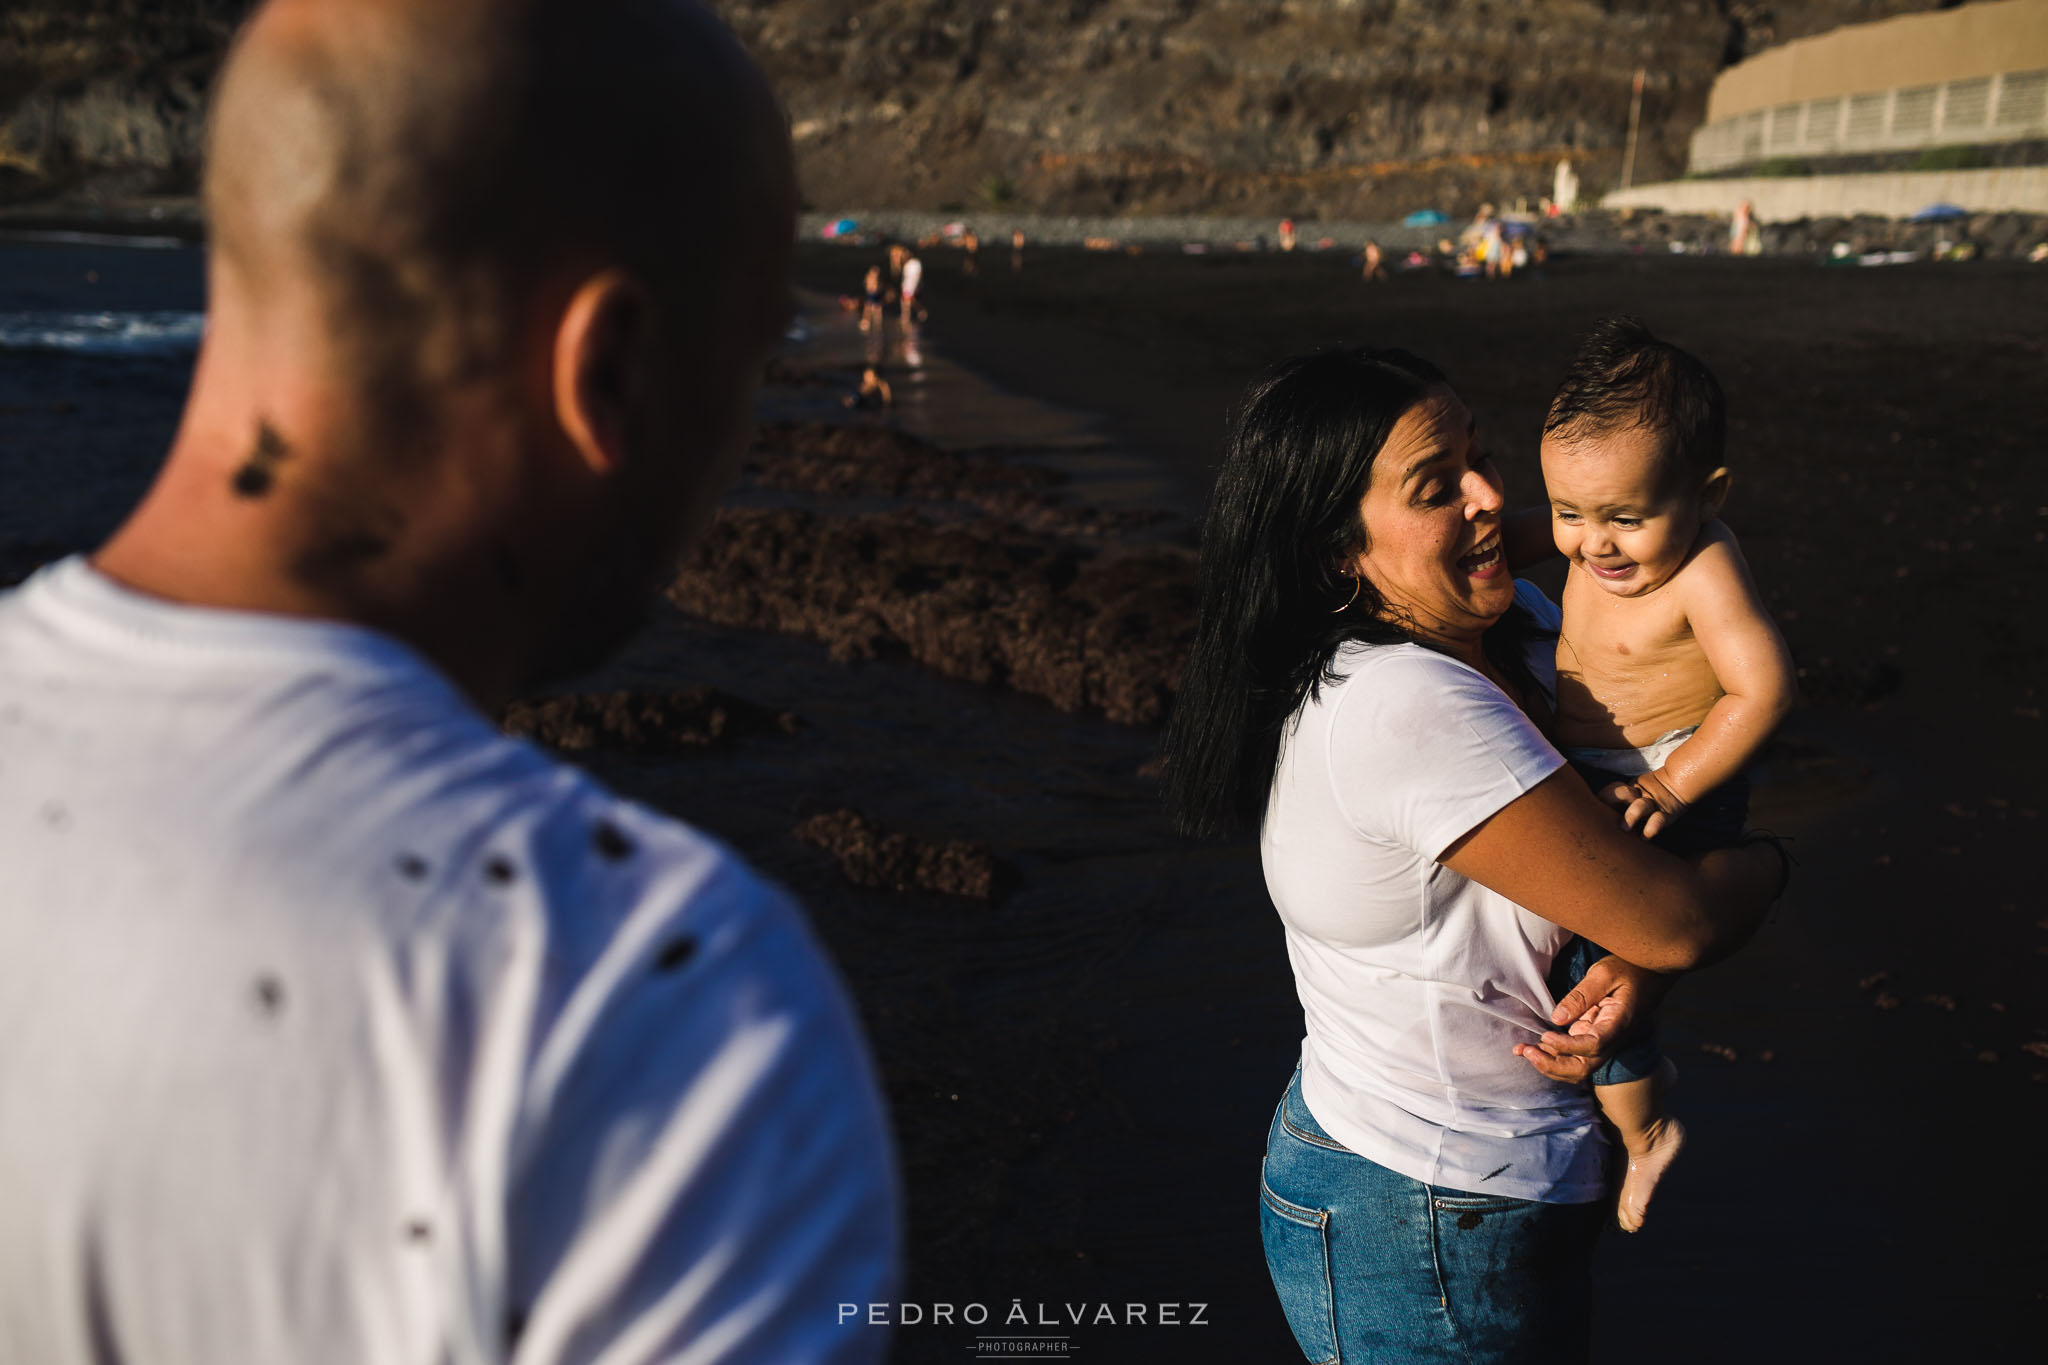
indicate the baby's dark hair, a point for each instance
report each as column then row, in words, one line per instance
column 1625, row 376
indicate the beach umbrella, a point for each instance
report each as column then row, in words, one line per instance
column 1939, row 213
column 1424, row 218
column 841, row 227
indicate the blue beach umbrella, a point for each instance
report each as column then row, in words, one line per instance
column 1939, row 213
column 1424, row 218
column 841, row 228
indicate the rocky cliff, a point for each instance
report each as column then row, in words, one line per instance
column 1334, row 108
column 106, row 98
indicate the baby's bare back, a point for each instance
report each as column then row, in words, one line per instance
column 1629, row 669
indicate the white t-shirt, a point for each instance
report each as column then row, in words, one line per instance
column 1416, row 983
column 913, row 271
column 337, row 1027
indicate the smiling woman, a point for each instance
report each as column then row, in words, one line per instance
column 1368, row 688
column 1435, row 552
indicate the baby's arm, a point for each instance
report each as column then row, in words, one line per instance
column 1753, row 666
column 1525, row 536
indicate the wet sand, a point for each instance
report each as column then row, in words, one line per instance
column 1083, row 1021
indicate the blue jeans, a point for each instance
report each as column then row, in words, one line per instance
column 1373, row 1266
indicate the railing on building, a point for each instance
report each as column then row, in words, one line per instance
column 2004, row 108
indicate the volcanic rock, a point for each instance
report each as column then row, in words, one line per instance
column 839, row 460
column 986, row 601
column 1319, row 108
column 873, row 855
column 642, row 721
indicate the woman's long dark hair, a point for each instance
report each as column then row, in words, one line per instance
column 1283, row 524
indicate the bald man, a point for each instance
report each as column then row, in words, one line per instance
column 335, row 1026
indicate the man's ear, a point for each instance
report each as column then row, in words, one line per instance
column 1714, row 493
column 599, row 345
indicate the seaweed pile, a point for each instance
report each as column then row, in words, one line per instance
column 978, row 572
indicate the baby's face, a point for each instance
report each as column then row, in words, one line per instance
column 1618, row 510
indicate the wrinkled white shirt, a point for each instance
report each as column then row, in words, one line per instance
column 1416, row 983
column 337, row 1027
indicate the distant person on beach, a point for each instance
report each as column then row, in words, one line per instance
column 1016, row 250
column 1472, row 240
column 1742, row 230
column 1365, row 689
column 1564, row 188
column 912, row 280
column 343, row 1027
column 1517, row 245
column 874, row 391
column 970, row 257
column 873, row 296
column 1492, row 246
column 1375, row 263
column 1670, row 674
column 1287, row 234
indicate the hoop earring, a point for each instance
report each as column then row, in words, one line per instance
column 1355, row 582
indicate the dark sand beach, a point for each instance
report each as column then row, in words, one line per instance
column 1084, row 1021
column 1864, row 1081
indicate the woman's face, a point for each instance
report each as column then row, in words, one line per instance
column 1432, row 525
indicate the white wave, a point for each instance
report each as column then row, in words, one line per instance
column 60, row 237
column 125, row 334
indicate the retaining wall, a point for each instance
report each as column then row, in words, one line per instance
column 1899, row 194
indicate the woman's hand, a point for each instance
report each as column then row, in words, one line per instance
column 1598, row 1016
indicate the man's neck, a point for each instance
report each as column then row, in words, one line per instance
column 248, row 565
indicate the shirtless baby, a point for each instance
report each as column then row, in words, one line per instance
column 1670, row 675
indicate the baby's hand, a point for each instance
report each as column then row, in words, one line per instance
column 1654, row 806
column 1620, row 795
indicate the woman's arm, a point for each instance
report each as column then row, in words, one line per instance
column 1558, row 852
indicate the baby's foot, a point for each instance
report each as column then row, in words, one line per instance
column 1660, row 1143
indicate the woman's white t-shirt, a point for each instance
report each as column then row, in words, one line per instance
column 1415, row 982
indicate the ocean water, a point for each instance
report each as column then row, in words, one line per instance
column 171, row 334
column 97, row 339
column 98, row 335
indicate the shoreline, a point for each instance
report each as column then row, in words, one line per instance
column 177, row 220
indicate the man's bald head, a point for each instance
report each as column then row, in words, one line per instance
column 491, row 287
column 426, row 169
